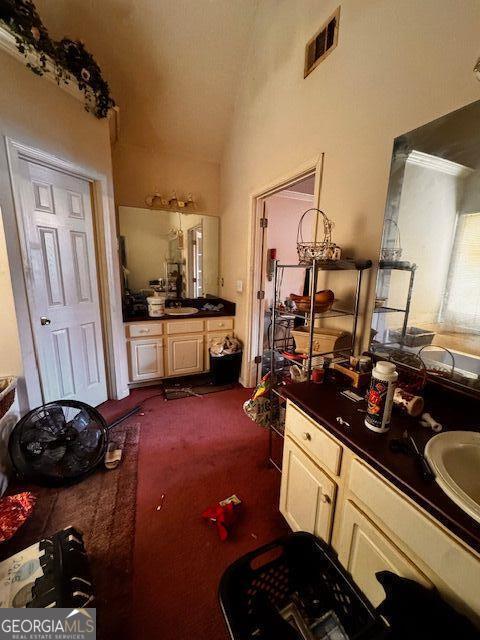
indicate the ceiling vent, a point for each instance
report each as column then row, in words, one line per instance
column 322, row 43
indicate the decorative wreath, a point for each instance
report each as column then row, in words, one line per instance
column 69, row 57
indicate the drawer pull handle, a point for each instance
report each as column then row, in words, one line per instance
column 144, row 331
column 306, row 436
column 325, row 498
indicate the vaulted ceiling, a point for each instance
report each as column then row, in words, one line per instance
column 173, row 65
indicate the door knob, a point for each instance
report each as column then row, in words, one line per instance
column 306, row 436
column 44, row 321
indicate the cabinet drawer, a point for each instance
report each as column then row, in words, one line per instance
column 313, row 439
column 219, row 324
column 184, row 326
column 307, row 495
column 364, row 550
column 457, row 567
column 144, row 329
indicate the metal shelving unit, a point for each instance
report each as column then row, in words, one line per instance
column 317, row 266
column 387, row 266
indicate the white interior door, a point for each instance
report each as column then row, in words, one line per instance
column 62, row 287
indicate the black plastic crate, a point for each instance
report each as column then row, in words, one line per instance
column 298, row 568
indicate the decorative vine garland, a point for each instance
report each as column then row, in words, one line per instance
column 71, row 61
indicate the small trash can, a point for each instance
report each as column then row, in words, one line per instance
column 296, row 581
column 225, row 369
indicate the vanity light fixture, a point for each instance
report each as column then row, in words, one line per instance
column 173, row 203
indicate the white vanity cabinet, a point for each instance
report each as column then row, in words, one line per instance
column 185, row 354
column 329, row 491
column 146, row 359
column 307, row 494
column 175, row 347
column 365, row 549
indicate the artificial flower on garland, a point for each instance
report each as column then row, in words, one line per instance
column 81, row 65
column 31, row 36
column 70, row 59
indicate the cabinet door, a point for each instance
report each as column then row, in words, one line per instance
column 364, row 550
column 185, row 355
column 146, row 359
column 307, row 494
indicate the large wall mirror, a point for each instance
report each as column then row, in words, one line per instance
column 175, row 252
column 427, row 306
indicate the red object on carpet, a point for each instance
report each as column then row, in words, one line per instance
column 195, row 451
column 14, row 511
column 223, row 516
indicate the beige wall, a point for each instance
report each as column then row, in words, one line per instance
column 139, row 172
column 37, row 113
column 10, row 361
column 397, row 65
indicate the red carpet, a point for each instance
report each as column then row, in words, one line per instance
column 196, row 451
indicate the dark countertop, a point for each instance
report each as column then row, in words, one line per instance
column 323, row 403
column 200, row 314
column 229, row 309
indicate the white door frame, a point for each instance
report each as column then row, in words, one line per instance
column 104, row 225
column 191, row 258
column 258, row 254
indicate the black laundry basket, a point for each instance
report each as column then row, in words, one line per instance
column 302, row 570
column 225, row 369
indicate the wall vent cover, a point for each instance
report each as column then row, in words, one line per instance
column 322, row 43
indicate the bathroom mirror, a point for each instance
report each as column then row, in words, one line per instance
column 427, row 305
column 175, row 253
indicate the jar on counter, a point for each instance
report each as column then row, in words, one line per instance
column 156, row 306
column 380, row 396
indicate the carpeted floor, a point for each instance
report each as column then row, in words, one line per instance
column 196, row 451
column 102, row 507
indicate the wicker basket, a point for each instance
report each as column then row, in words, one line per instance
column 439, row 370
column 392, row 254
column 323, row 301
column 8, row 386
column 324, row 340
column 414, row 336
column 323, row 251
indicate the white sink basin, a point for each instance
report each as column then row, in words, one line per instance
column 454, row 458
column 180, row 311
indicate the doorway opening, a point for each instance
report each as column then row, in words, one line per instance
column 278, row 212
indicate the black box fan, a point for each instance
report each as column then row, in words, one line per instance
column 59, row 442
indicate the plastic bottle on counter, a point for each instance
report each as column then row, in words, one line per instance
column 380, row 396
